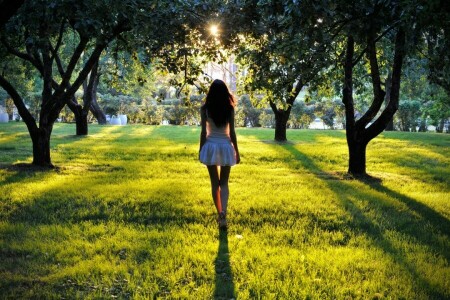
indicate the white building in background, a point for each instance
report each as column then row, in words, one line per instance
column 317, row 123
column 5, row 116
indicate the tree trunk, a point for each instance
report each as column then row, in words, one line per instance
column 423, row 124
column 282, row 115
column 440, row 126
column 80, row 116
column 98, row 112
column 281, row 118
column 90, row 95
column 41, row 146
column 390, row 125
column 81, row 121
column 357, row 153
column 357, row 158
column 358, row 133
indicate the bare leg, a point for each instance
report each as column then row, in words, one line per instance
column 215, row 187
column 224, row 191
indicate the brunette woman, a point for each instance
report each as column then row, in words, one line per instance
column 218, row 144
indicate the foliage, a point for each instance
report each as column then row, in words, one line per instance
column 430, row 104
column 183, row 112
column 282, row 47
column 434, row 34
column 143, row 225
column 408, row 114
column 38, row 33
column 302, row 115
column 118, row 104
column 152, row 113
column 267, row 118
column 127, row 73
column 249, row 114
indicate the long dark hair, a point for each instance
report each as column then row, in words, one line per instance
column 219, row 103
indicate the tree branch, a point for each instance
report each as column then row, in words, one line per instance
column 58, row 62
column 18, row 102
column 347, row 91
column 378, row 93
column 358, row 58
column 71, row 66
column 95, row 55
column 37, row 62
column 93, row 59
column 22, row 55
column 90, row 87
column 47, row 75
column 59, row 41
column 380, row 124
column 273, row 106
column 295, row 92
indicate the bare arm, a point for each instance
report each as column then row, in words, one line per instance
column 203, row 124
column 233, row 138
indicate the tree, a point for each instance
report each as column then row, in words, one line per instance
column 90, row 95
column 408, row 114
column 301, row 115
column 283, row 48
column 435, row 27
column 251, row 114
column 267, row 118
column 89, row 103
column 435, row 31
column 35, row 35
column 26, row 81
column 365, row 27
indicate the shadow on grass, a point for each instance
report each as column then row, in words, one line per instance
column 154, row 209
column 224, row 288
column 22, row 266
column 427, row 214
column 404, row 222
column 23, row 171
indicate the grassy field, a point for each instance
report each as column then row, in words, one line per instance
column 127, row 214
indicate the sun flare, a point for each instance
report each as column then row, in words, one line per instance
column 214, row 30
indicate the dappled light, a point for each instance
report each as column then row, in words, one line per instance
column 140, row 215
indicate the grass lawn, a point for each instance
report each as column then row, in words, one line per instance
column 128, row 214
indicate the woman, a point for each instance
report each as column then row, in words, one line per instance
column 218, row 144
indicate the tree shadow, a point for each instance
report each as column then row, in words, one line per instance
column 224, row 288
column 416, row 228
column 438, row 221
column 19, row 172
column 46, row 209
column 22, row 260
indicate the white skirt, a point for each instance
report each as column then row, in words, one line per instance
column 218, row 152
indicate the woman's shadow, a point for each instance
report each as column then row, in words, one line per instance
column 224, row 277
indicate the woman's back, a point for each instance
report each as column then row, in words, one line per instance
column 212, row 131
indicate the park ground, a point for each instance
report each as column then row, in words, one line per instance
column 127, row 214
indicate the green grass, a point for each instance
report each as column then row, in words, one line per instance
column 128, row 214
